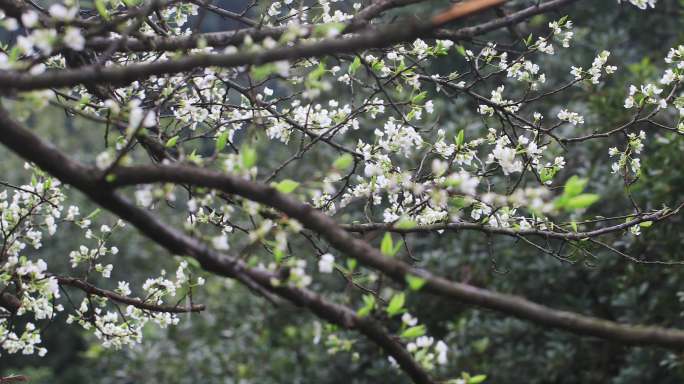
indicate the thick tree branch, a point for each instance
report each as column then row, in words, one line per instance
column 397, row 270
column 237, row 37
column 9, row 302
column 372, row 38
column 88, row 181
column 13, row 379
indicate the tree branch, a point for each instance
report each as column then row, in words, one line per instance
column 654, row 217
column 237, row 37
column 376, row 38
column 397, row 270
column 136, row 302
column 88, row 180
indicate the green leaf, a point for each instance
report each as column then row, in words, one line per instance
column 355, row 65
column 369, row 304
column 14, row 54
column 194, row 157
column 170, row 143
column 397, row 247
column 314, row 76
column 94, row 352
column 343, row 162
column 481, row 345
column 261, row 72
column 560, row 202
column 413, row 332
column 574, row 186
column 351, row 264
column 528, row 41
column 396, row 304
column 405, row 223
column 193, row 263
column 457, row 202
column 415, row 282
column 547, row 174
column 286, row 186
column 582, row 201
column 401, row 68
column 477, row 379
column 364, row 311
column 460, row 138
column 93, row 214
column 573, row 198
column 132, row 3
column 278, row 254
column 221, row 141
column 440, row 49
column 102, row 9
column 645, row 224
column 419, row 97
column 248, row 156
column 461, row 50
column 387, row 245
